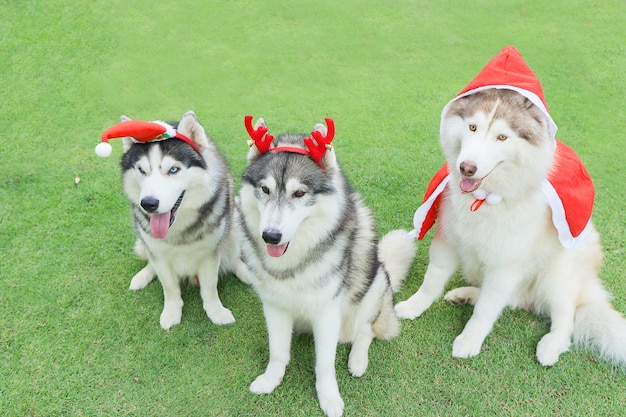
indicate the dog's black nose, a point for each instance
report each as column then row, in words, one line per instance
column 150, row 204
column 272, row 237
column 468, row 168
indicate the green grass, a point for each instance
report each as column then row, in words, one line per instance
column 75, row 341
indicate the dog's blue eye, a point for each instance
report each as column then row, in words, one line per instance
column 174, row 170
column 141, row 171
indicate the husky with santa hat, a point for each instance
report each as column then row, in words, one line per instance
column 181, row 193
column 512, row 207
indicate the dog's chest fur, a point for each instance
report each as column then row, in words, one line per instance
column 505, row 233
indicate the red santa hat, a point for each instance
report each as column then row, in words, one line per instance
column 140, row 131
column 568, row 187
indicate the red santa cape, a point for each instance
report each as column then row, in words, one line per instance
column 568, row 188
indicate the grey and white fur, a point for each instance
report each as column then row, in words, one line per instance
column 192, row 195
column 315, row 261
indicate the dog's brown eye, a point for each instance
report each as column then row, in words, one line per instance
column 299, row 194
column 265, row 189
column 472, row 128
column 502, row 137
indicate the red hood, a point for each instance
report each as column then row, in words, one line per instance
column 508, row 70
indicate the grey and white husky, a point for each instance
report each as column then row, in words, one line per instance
column 181, row 192
column 313, row 255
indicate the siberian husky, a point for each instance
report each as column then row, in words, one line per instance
column 181, row 193
column 532, row 245
column 310, row 244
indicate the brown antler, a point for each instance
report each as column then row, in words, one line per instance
column 261, row 138
column 322, row 143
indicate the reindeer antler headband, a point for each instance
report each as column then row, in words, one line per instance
column 316, row 148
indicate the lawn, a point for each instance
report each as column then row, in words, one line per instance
column 74, row 340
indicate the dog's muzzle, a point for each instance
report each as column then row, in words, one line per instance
column 273, row 237
column 160, row 222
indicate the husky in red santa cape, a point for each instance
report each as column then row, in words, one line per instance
column 512, row 206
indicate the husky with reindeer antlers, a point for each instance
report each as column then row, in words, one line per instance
column 314, row 257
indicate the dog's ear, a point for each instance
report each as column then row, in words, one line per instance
column 329, row 160
column 254, row 151
column 126, row 142
column 191, row 127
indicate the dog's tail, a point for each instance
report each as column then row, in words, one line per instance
column 600, row 328
column 396, row 251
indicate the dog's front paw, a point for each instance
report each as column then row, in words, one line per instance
column 408, row 310
column 550, row 348
column 332, row 405
column 465, row 346
column 220, row 316
column 142, row 278
column 357, row 364
column 170, row 316
column 264, row 384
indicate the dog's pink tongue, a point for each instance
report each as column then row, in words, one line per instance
column 276, row 250
column 159, row 224
column 469, row 184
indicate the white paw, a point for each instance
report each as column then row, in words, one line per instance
column 142, row 278
column 407, row 310
column 264, row 384
column 465, row 347
column 220, row 316
column 357, row 364
column 170, row 317
column 331, row 404
column 550, row 348
column 463, row 295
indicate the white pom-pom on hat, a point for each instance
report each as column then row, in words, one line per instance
column 103, row 149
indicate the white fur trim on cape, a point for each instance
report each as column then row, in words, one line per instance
column 560, row 221
column 422, row 211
